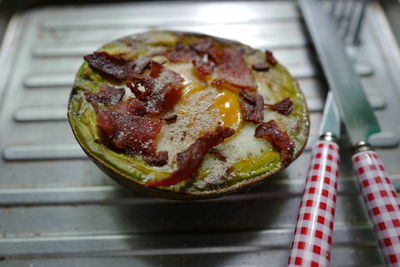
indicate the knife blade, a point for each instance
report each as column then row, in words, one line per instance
column 379, row 195
column 330, row 123
column 313, row 233
column 356, row 111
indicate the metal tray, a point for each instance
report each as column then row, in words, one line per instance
column 58, row 209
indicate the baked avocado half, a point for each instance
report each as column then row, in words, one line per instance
column 185, row 115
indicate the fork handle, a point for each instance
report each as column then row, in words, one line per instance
column 382, row 203
column 313, row 233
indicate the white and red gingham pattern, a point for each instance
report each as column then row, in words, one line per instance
column 313, row 233
column 382, row 203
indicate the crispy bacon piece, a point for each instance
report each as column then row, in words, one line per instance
column 271, row 131
column 252, row 105
column 203, row 68
column 218, row 55
column 92, row 99
column 260, row 66
column 232, row 69
column 221, row 156
column 157, row 158
column 130, row 106
column 155, row 69
column 270, row 57
column 284, row 106
column 116, row 66
column 124, row 127
column 166, row 93
column 157, row 94
column 141, row 63
column 107, row 95
column 180, row 53
column 110, row 95
column 140, row 85
column 170, row 118
column 189, row 161
column 202, row 45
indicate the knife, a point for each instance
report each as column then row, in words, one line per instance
column 312, row 236
column 379, row 195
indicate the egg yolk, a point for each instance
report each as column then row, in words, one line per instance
column 228, row 106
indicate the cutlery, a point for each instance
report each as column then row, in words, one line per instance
column 312, row 236
column 379, row 195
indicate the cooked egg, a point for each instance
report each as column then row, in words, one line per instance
column 198, row 97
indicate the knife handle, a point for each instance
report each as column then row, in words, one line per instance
column 313, row 233
column 382, row 203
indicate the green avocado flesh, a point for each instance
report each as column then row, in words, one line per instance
column 249, row 159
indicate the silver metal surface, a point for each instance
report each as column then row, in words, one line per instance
column 362, row 146
column 330, row 119
column 349, row 15
column 357, row 114
column 58, row 209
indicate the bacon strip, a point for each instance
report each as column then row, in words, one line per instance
column 160, row 93
column 140, row 85
column 260, row 66
column 284, row 106
column 180, row 53
column 116, row 66
column 110, row 95
column 232, row 69
column 107, row 95
column 92, row 99
column 270, row 57
column 252, row 105
column 157, row 159
column 155, row 69
column 202, row 45
column 189, row 161
column 131, row 107
column 124, row 127
column 271, row 131
column 170, row 118
column 141, row 63
column 203, row 68
column 221, row 156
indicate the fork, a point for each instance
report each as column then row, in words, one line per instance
column 349, row 15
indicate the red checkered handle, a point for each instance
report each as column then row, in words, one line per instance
column 313, row 233
column 382, row 203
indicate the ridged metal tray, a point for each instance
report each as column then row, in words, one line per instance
column 58, row 209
